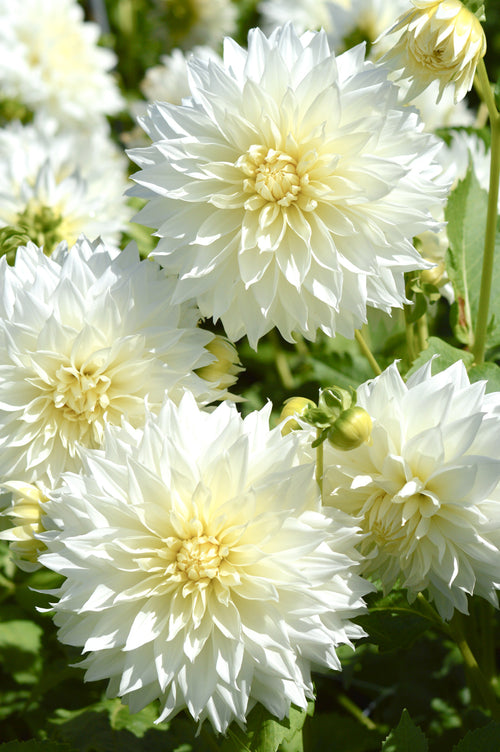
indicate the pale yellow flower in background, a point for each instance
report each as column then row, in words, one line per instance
column 223, row 372
column 441, row 41
column 25, row 511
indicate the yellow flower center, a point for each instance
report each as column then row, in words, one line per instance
column 81, row 394
column 200, row 557
column 272, row 174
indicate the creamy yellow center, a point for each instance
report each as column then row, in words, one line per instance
column 81, row 394
column 200, row 557
column 272, row 174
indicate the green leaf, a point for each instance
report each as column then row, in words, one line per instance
column 391, row 630
column 489, row 372
column 447, row 356
column 108, row 726
column 340, row 733
column 264, row 732
column 406, row 737
column 483, row 739
column 20, row 642
column 466, row 216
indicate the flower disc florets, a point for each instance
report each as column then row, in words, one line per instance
column 425, row 488
column 287, row 189
column 224, row 582
column 87, row 337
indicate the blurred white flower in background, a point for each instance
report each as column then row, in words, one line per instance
column 287, row 190
column 425, row 487
column 87, row 337
column 50, row 62
column 200, row 567
column 168, row 82
column 56, row 184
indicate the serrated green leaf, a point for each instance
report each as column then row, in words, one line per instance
column 264, row 732
column 485, row 739
column 447, row 356
column 393, row 631
column 406, row 737
column 466, row 216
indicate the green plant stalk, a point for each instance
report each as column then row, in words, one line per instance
column 481, row 629
column 367, row 353
column 319, row 464
column 353, row 709
column 410, row 340
column 422, row 333
column 479, row 684
column 491, row 218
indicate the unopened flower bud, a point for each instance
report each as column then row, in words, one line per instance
column 223, row 371
column 25, row 511
column 434, row 276
column 441, row 41
column 293, row 406
column 351, row 429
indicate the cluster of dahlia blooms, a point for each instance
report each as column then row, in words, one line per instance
column 203, row 565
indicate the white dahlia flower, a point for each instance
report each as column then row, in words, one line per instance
column 443, row 114
column 168, row 82
column 55, row 185
column 201, row 568
column 50, row 62
column 22, row 505
column 87, row 338
column 425, row 487
column 287, row 190
column 441, row 40
column 368, row 19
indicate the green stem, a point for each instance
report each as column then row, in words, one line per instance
column 353, row 709
column 422, row 333
column 491, row 218
column 367, row 353
column 281, row 361
column 475, row 676
column 319, row 464
column 410, row 341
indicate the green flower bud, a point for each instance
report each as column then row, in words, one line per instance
column 351, row 429
column 434, row 276
column 293, row 406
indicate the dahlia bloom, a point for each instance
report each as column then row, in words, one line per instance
column 329, row 15
column 441, row 41
column 87, row 337
column 200, row 567
column 425, row 488
column 50, row 62
column 168, row 82
column 287, row 190
column 57, row 184
column 23, row 506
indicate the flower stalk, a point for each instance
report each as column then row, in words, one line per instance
column 367, row 353
column 491, row 217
